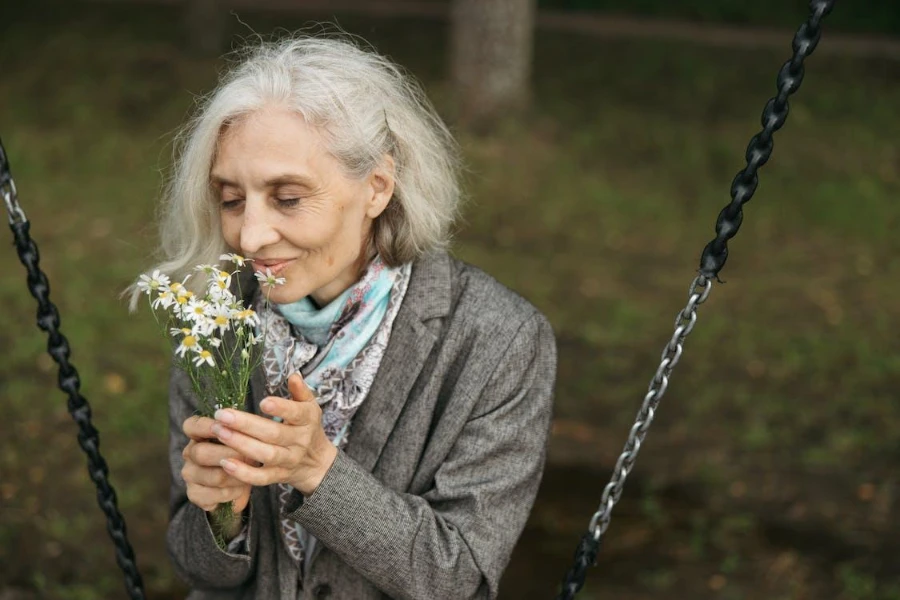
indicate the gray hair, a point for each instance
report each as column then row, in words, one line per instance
column 365, row 107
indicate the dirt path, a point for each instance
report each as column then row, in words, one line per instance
column 607, row 26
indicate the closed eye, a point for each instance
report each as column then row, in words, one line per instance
column 288, row 202
column 231, row 204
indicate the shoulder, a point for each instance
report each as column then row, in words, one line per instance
column 484, row 302
column 473, row 304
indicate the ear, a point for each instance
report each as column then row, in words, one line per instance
column 381, row 182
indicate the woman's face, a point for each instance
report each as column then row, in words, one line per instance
column 286, row 203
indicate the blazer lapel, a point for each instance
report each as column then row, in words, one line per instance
column 411, row 342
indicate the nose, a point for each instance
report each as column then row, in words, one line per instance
column 257, row 228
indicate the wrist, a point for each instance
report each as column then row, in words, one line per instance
column 324, row 460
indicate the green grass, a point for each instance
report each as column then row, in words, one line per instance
column 596, row 208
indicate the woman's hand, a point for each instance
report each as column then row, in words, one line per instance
column 295, row 451
column 207, row 484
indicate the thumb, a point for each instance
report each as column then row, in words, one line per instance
column 300, row 392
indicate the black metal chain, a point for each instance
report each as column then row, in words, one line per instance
column 760, row 147
column 69, row 382
column 711, row 262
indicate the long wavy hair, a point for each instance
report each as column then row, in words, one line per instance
column 362, row 104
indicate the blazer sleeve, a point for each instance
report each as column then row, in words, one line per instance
column 197, row 558
column 455, row 540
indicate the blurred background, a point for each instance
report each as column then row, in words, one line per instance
column 594, row 179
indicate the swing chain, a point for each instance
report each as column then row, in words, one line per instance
column 684, row 324
column 69, row 382
column 589, row 546
column 759, row 150
column 8, row 191
column 712, row 260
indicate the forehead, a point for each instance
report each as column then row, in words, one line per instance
column 269, row 140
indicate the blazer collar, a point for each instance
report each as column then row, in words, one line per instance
column 427, row 297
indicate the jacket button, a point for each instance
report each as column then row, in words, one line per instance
column 320, row 592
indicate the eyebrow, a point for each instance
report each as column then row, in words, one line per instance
column 278, row 180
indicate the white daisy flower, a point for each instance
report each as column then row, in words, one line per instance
column 236, row 259
column 246, row 315
column 188, row 343
column 197, row 310
column 153, row 282
column 214, row 342
column 204, row 356
column 165, row 300
column 220, row 316
column 208, row 269
column 181, row 298
column 176, row 331
column 218, row 289
column 268, row 279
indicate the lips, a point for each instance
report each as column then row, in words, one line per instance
column 276, row 266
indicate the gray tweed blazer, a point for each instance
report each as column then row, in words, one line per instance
column 440, row 472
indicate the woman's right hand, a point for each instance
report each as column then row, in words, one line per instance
column 208, row 485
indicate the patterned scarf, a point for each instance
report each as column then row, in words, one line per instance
column 338, row 349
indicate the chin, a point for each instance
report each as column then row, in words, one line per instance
column 280, row 295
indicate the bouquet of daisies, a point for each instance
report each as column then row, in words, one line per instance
column 215, row 338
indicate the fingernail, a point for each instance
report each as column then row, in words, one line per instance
column 224, row 416
column 227, row 464
column 221, row 432
column 267, row 405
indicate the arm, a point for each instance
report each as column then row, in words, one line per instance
column 191, row 543
column 456, row 539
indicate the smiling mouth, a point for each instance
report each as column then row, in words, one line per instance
column 274, row 266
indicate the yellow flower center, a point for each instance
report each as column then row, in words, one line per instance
column 181, row 299
column 205, row 354
column 189, row 341
column 198, row 310
column 221, row 320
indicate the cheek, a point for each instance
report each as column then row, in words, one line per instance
column 231, row 228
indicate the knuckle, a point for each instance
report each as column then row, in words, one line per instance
column 219, row 478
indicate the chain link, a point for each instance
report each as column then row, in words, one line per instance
column 713, row 258
column 699, row 292
column 759, row 150
column 8, row 191
column 69, row 382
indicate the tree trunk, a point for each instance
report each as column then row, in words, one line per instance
column 205, row 26
column 491, row 53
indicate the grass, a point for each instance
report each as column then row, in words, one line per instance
column 781, row 418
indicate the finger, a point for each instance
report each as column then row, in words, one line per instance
column 256, row 476
column 250, row 447
column 198, row 428
column 208, row 498
column 209, row 454
column 208, row 476
column 300, row 392
column 261, row 428
column 291, row 411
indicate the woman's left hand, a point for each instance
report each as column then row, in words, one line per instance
column 295, row 451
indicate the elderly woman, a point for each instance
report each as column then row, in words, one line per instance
column 395, row 435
